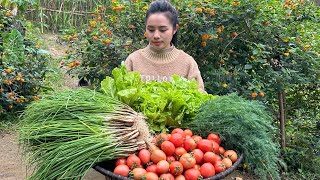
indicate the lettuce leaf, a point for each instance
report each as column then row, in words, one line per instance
column 165, row 104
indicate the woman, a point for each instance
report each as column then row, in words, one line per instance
column 161, row 59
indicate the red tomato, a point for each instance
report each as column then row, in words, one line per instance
column 168, row 148
column 231, row 154
column 151, row 176
column 189, row 144
column 133, row 161
column 180, row 177
column 152, row 168
column 179, row 152
column 187, row 160
column 219, row 167
column 221, row 150
column 121, row 161
column 162, row 167
column 209, row 157
column 214, row 137
column 215, row 147
column 170, row 159
column 160, row 138
column 157, row 155
column 198, row 155
column 176, row 168
column 166, row 176
column 205, row 145
column 196, row 138
column 176, row 139
column 227, row 162
column 144, row 156
column 178, row 130
column 138, row 173
column 192, row 174
column 207, row 170
column 187, row 132
column 122, row 170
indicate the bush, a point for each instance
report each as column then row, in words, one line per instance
column 23, row 66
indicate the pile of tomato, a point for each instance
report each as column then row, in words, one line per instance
column 177, row 156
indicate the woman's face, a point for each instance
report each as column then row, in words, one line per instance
column 159, row 31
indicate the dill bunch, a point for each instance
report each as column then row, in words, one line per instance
column 245, row 126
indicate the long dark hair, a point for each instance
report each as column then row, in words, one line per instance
column 163, row 6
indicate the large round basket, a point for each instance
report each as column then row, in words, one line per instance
column 107, row 167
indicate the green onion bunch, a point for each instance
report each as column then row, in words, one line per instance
column 65, row 134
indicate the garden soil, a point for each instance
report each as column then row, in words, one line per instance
column 12, row 164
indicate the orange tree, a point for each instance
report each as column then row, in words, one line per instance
column 259, row 49
column 22, row 66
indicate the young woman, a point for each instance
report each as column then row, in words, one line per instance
column 161, row 59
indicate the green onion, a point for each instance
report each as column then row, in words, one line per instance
column 65, row 134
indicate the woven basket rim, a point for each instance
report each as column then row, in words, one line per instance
column 221, row 175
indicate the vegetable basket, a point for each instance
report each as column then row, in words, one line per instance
column 107, row 167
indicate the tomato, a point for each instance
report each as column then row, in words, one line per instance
column 180, row 177
column 198, row 155
column 205, row 145
column 138, row 173
column 122, row 170
column 176, row 168
column 144, row 156
column 151, row 176
column 231, row 154
column 209, row 157
column 214, row 137
column 215, row 147
column 166, row 176
column 157, row 155
column 176, row 139
column 133, row 161
column 187, row 160
column 168, row 148
column 160, row 138
column 227, row 162
column 207, row 170
column 121, row 161
column 187, row 132
column 170, row 159
column 192, row 174
column 189, row 144
column 152, row 168
column 179, row 131
column 196, row 138
column 162, row 167
column 219, row 167
column 221, row 150
column 179, row 152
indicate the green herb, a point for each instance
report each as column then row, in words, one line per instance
column 245, row 126
column 65, row 134
column 165, row 104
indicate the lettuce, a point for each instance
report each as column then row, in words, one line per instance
column 165, row 104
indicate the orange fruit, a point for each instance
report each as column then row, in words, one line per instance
column 254, row 94
column 8, row 71
column 235, row 34
column 261, row 94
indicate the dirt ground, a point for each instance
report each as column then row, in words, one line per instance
column 12, row 164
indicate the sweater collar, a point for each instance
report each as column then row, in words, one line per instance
column 160, row 56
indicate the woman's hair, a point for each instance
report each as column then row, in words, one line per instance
column 163, row 6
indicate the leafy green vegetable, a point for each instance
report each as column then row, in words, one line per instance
column 165, row 104
column 245, row 126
